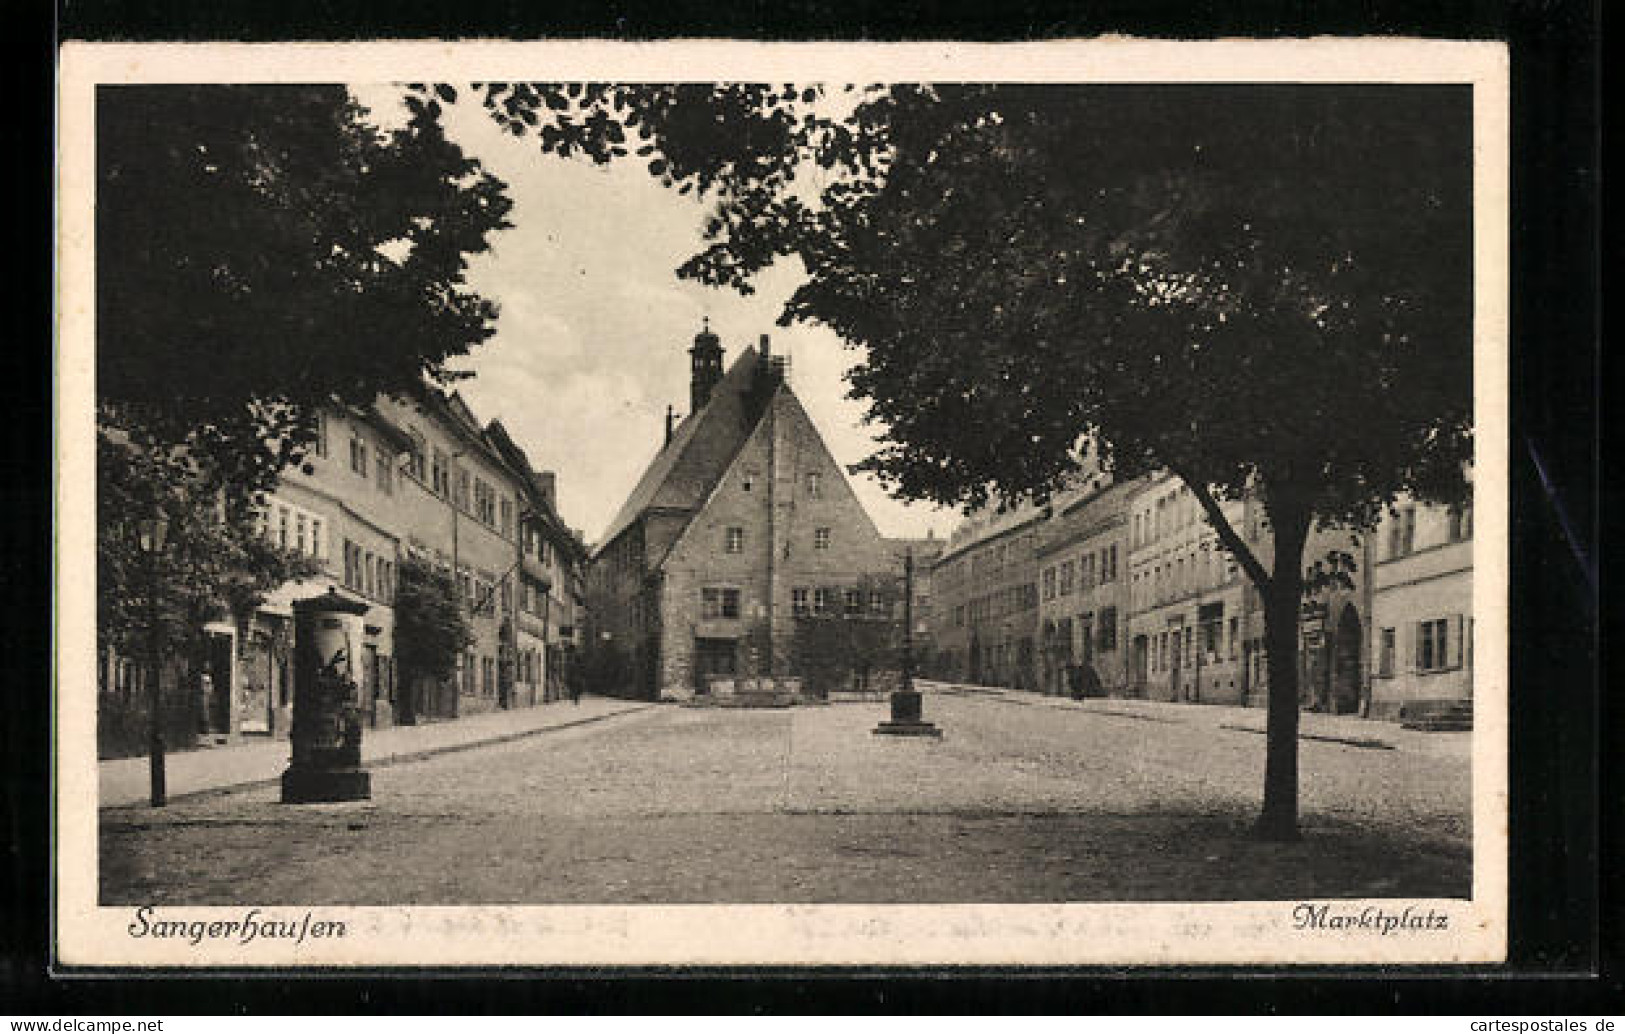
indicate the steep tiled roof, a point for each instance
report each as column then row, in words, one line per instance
column 683, row 472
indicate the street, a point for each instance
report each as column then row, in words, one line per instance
column 1025, row 799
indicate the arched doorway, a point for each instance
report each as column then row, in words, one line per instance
column 1346, row 653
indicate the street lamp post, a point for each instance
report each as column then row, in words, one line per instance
column 151, row 538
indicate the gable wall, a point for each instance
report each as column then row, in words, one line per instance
column 699, row 559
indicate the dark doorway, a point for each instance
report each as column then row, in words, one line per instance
column 219, row 668
column 1346, row 651
column 259, row 682
column 712, row 657
column 370, row 682
column 1141, row 662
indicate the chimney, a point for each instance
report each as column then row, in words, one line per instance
column 706, row 367
column 765, row 348
column 547, row 484
column 669, row 419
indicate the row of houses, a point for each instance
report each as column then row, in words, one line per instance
column 1124, row 589
column 415, row 476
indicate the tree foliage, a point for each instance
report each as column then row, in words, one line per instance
column 431, row 629
column 1264, row 289
column 214, row 563
column 263, row 250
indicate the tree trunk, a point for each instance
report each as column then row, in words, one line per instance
column 1282, row 598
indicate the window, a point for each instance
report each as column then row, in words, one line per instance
column 442, row 474
column 358, row 455
column 282, row 527
column 1066, row 578
column 815, row 486
column 1461, row 523
column 505, row 524
column 821, row 538
column 462, row 485
column 386, row 480
column 877, row 603
column 415, row 457
column 485, row 508
column 821, row 601
column 1108, row 628
column 1402, row 532
column 1111, row 564
column 736, row 540
column 853, row 601
column 719, row 603
column 299, row 532
column 318, row 548
column 747, row 482
column 1385, row 653
column 799, row 604
column 1438, row 644
column 1049, row 583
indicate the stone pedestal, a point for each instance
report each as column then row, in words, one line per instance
column 326, row 731
column 906, row 717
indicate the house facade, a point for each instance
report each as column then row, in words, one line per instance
column 742, row 551
column 1422, row 606
column 413, row 476
column 1186, row 598
column 1334, row 619
column 1083, row 590
column 986, row 607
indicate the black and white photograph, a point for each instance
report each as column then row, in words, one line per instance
column 595, row 504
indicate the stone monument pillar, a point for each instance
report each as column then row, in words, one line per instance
column 906, row 717
column 326, row 730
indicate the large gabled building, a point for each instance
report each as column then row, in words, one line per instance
column 742, row 551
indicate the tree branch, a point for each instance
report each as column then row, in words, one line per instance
column 1227, row 534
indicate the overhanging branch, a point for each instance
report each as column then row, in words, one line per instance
column 1227, row 534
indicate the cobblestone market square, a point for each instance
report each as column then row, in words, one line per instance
column 628, row 491
column 1024, row 799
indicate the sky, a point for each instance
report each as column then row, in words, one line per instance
column 592, row 342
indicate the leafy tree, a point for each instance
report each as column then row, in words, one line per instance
column 262, row 250
column 1264, row 289
column 431, row 629
column 214, row 562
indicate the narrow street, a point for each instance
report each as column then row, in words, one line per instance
column 1024, row 799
